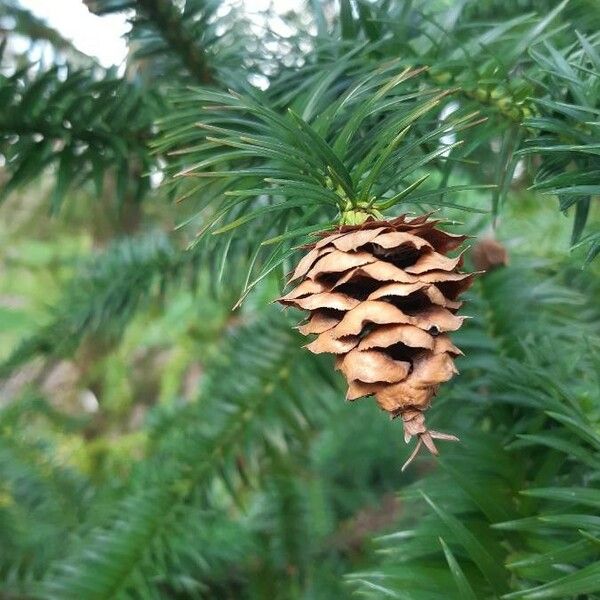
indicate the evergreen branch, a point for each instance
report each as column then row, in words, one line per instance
column 249, row 414
column 79, row 124
column 30, row 26
column 470, row 495
column 568, row 133
column 42, row 497
column 170, row 22
column 192, row 33
column 106, row 295
column 487, row 64
column 247, row 160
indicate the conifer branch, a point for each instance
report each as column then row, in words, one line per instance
column 267, row 420
column 170, row 22
column 108, row 292
column 78, row 122
column 161, row 25
column 34, row 28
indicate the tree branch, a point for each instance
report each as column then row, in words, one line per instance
column 169, row 22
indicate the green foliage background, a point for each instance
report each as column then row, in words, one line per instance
column 160, row 439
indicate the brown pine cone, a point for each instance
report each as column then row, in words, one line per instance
column 382, row 296
column 489, row 254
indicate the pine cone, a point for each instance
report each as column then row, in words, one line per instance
column 489, row 254
column 381, row 297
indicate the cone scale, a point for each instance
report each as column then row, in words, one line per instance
column 382, row 297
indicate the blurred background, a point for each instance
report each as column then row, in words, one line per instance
column 160, row 440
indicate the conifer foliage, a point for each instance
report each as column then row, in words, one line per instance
column 163, row 434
